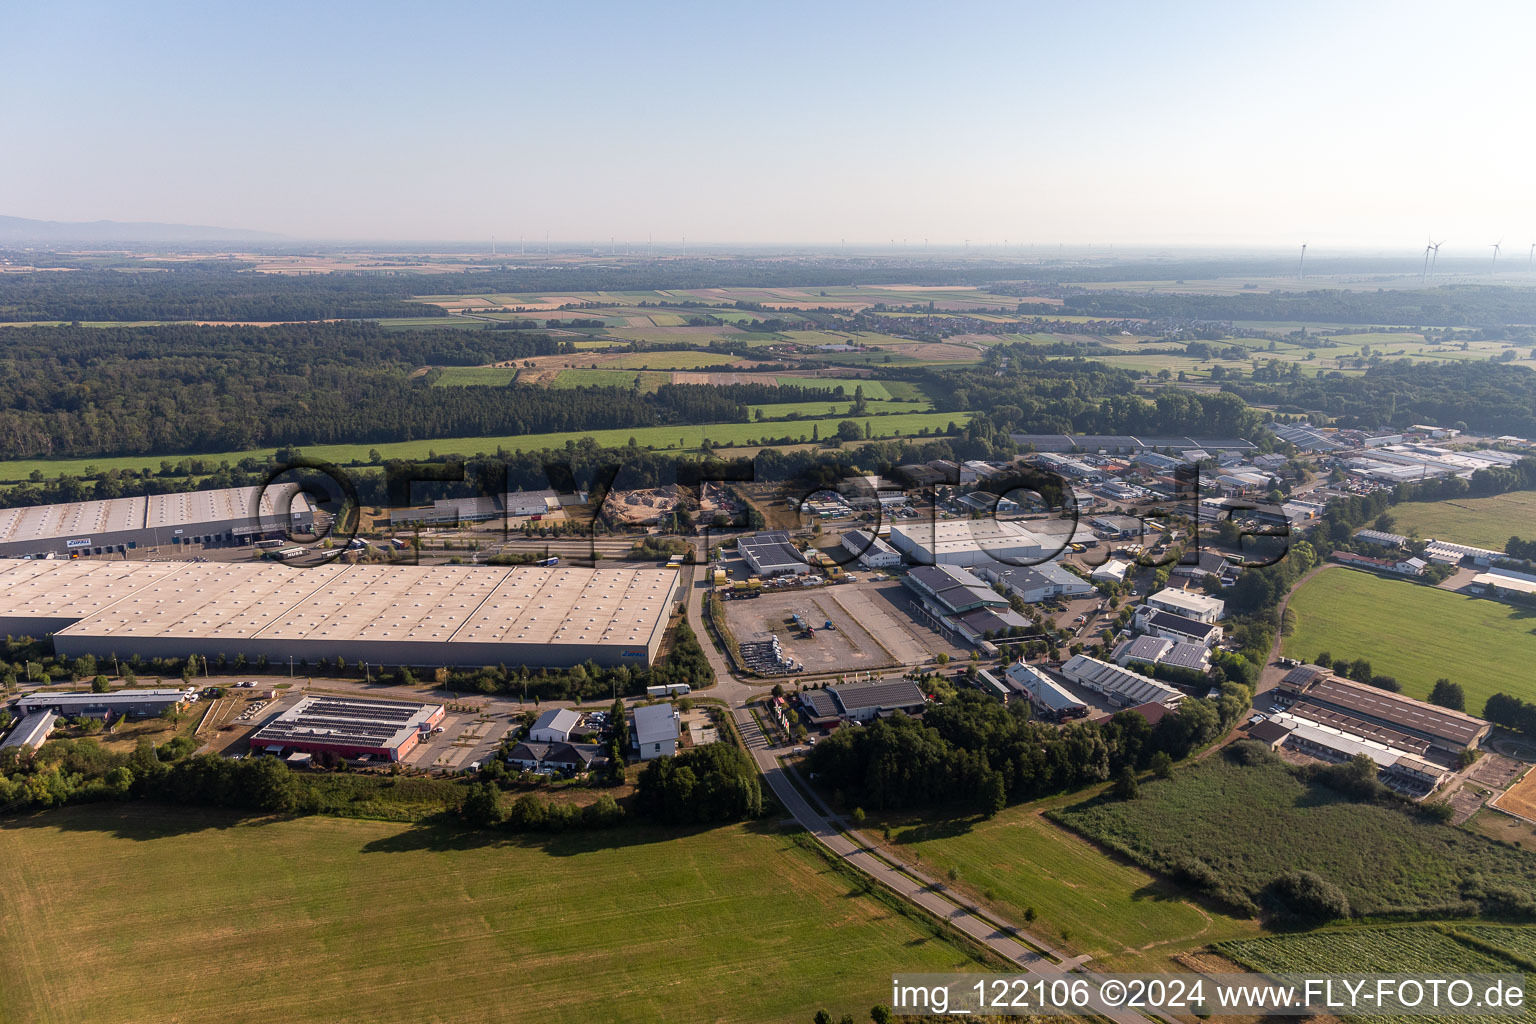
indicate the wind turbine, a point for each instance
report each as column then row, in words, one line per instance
column 1436, row 257
column 1495, row 262
column 1532, row 256
column 1424, row 274
column 1303, row 261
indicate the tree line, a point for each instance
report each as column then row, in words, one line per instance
column 974, row 754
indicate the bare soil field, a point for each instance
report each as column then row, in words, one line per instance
column 1519, row 799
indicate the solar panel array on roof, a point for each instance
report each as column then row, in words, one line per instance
column 380, row 725
column 1400, row 711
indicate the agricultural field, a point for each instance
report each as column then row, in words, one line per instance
column 476, row 376
column 675, row 437
column 1083, row 899
column 1416, row 633
column 783, row 410
column 874, row 390
column 674, row 360
column 1418, row 949
column 326, row 919
column 1239, row 823
column 1481, row 522
column 648, row 380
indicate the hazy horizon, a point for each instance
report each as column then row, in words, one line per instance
column 1360, row 128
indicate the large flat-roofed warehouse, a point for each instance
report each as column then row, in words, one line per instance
column 348, row 728
column 231, row 515
column 383, row 615
column 1310, row 687
column 969, row 542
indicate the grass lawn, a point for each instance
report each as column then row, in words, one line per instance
column 1480, row 522
column 1417, row 633
column 1126, row 918
column 666, row 437
column 324, row 919
column 469, row 376
column 1244, row 825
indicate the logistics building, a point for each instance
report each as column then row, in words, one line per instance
column 224, row 517
column 344, row 727
column 379, row 614
column 969, row 542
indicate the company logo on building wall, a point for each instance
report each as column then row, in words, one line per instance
column 83, row 542
column 633, row 654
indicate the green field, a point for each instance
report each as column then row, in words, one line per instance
column 475, row 376
column 874, row 390
column 1124, row 917
column 675, row 437
column 1481, row 522
column 649, row 380
column 1416, row 633
column 1244, row 825
column 673, row 360
column 324, row 919
column 1420, row 949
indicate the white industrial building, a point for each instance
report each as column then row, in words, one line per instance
column 1112, row 571
column 224, row 517
column 1034, row 583
column 32, row 731
column 1047, row 696
column 145, row 703
column 771, row 554
column 1117, row 685
column 1443, row 552
column 1188, row 603
column 968, row 542
column 871, row 551
column 381, row 614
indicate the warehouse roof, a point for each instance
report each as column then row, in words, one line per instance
column 426, row 604
column 1188, row 602
column 1027, row 679
column 116, row 515
column 1395, row 709
column 954, row 588
column 31, row 731
column 65, row 701
column 949, row 535
column 1180, row 624
column 1132, row 687
column 345, row 722
column 770, row 550
column 884, row 696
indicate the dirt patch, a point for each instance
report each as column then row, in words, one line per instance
column 1519, row 799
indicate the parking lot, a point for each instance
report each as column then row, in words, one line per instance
column 467, row 737
column 847, row 647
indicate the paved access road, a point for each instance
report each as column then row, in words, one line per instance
column 907, row 883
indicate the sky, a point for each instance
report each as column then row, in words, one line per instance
column 1343, row 124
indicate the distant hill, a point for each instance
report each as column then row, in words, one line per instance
column 20, row 229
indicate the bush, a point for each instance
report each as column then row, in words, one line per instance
column 1306, row 896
